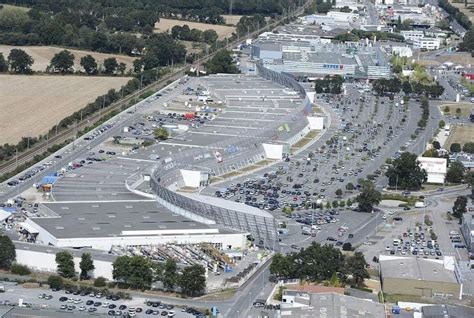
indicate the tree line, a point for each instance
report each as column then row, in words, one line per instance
column 20, row 62
column 329, row 84
column 320, row 263
column 356, row 35
column 107, row 26
column 138, row 272
column 186, row 34
column 455, row 13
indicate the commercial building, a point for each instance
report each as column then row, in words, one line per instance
column 411, row 35
column 426, row 43
column 467, row 230
column 101, row 225
column 332, row 304
column 436, row 169
column 402, row 51
column 318, row 58
column 420, row 277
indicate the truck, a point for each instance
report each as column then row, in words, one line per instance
column 420, row 204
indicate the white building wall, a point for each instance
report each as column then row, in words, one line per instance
column 316, row 123
column 192, row 178
column 235, row 240
column 273, row 151
column 46, row 262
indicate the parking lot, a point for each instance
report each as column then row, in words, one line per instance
column 74, row 300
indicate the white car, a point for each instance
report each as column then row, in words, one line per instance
column 82, row 308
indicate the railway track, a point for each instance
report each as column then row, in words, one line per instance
column 70, row 132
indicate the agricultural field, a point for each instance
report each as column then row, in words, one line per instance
column 9, row 7
column 460, row 134
column 31, row 105
column 43, row 55
column 468, row 11
column 222, row 31
column 427, row 59
column 231, row 19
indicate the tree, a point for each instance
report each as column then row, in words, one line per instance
column 281, row 266
column 469, row 178
column 347, row 246
column 161, row 133
column 221, row 63
column 170, row 276
column 328, row 205
column 89, row 64
column 455, row 172
column 459, row 207
column 406, row 173
column 122, row 67
column 368, row 196
column 86, row 265
column 458, row 111
column 192, row 280
column 20, row 62
column 406, row 87
column 65, row 263
column 446, row 110
column 455, row 147
column 209, row 36
column 3, row 64
column 7, row 252
column 349, row 186
column 110, row 65
column 338, row 192
column 349, row 203
column 436, row 145
column 62, row 62
column 441, row 124
column 100, row 282
column 136, row 271
column 468, row 147
column 356, row 266
column 55, row 282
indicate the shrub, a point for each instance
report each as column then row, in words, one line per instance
column 100, row 282
column 55, row 281
column 19, row 269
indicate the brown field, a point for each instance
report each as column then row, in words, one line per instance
column 466, row 108
column 223, row 31
column 469, row 11
column 31, row 105
column 231, row 19
column 43, row 55
column 9, row 6
column 455, row 57
column 461, row 135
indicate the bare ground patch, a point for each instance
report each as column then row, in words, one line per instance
column 222, row 31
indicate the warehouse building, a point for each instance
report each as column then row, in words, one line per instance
column 467, row 230
column 436, row 169
column 101, row 225
column 427, row 278
column 332, row 304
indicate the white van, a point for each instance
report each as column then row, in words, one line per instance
column 420, row 204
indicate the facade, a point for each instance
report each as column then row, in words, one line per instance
column 467, row 230
column 426, row 43
column 436, row 169
column 402, row 51
column 318, row 58
column 420, row 277
column 411, row 35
